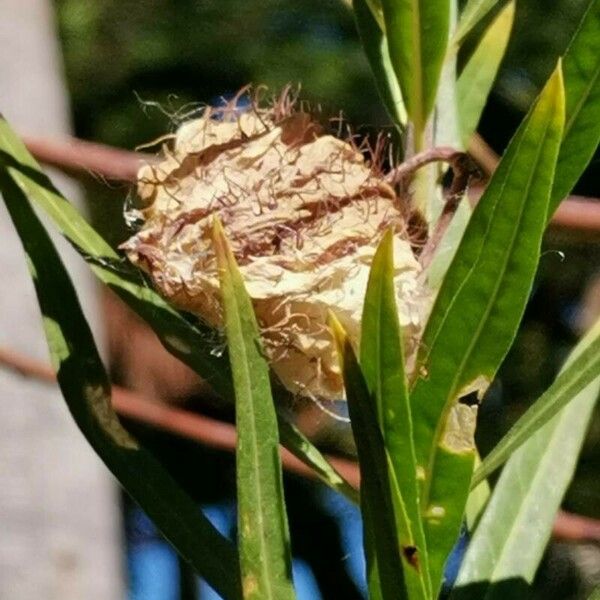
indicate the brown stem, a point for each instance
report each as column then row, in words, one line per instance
column 78, row 156
column 406, row 169
column 220, row 435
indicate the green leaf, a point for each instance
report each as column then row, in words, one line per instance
column 473, row 13
column 382, row 363
column 86, row 389
column 574, row 378
column 479, row 307
column 509, row 542
column 445, row 252
column 478, row 75
column 482, row 298
column 417, row 33
column 581, row 67
column 377, row 12
column 376, row 48
column 595, row 595
column 263, row 536
column 180, row 338
column 445, row 123
column 301, row 447
column 478, row 498
column 383, row 552
column 447, row 490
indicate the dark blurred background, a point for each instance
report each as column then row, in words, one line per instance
column 135, row 67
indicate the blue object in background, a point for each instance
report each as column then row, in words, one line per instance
column 348, row 518
column 223, row 517
column 154, row 572
column 153, row 564
column 455, row 561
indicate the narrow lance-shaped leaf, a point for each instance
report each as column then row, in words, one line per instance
column 479, row 307
column 86, row 390
column 377, row 11
column 447, row 490
column 417, row 34
column 482, row 298
column 581, row 66
column 472, row 14
column 444, row 123
column 384, row 562
column 183, row 340
column 376, row 49
column 382, row 362
column 478, row 498
column 575, row 377
column 264, row 544
column 511, row 537
column 427, row 192
column 477, row 77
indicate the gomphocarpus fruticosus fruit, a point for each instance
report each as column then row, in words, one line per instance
column 303, row 211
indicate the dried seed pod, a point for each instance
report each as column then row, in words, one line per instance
column 304, row 213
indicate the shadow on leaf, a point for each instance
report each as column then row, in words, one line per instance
column 514, row 588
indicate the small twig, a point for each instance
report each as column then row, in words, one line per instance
column 405, row 170
column 575, row 528
column 78, row 156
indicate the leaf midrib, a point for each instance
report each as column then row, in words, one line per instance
column 429, row 345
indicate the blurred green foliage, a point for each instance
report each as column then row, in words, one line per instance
column 181, row 52
column 177, row 52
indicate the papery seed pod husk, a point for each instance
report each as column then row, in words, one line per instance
column 304, row 212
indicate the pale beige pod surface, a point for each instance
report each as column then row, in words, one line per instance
column 304, row 213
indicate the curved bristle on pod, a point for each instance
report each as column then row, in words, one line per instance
column 303, row 211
